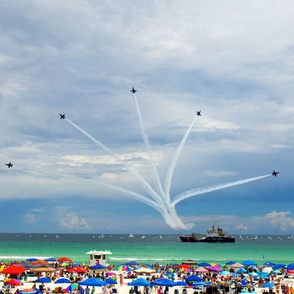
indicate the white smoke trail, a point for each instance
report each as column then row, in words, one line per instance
column 144, row 184
column 199, row 191
column 173, row 163
column 129, row 193
column 147, row 144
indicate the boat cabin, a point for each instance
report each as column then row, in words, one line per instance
column 98, row 257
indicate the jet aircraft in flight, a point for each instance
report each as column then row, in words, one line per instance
column 62, row 116
column 198, row 113
column 133, row 90
column 274, row 173
column 9, row 164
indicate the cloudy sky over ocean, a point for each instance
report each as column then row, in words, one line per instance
column 233, row 60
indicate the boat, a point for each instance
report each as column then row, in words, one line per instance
column 214, row 235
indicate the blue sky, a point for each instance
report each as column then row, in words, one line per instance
column 233, row 60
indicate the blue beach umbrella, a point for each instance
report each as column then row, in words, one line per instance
column 43, row 280
column 32, row 259
column 163, row 282
column 194, row 278
column 198, row 284
column 110, row 281
column 268, row 285
column 149, row 265
column 98, row 266
column 139, row 282
column 62, row 280
column 92, row 282
column 241, row 270
column 279, row 265
column 204, row 264
column 50, row 259
column 290, row 266
column 248, row 262
column 224, row 273
column 230, row 262
column 132, row 263
column 268, row 263
column 181, row 283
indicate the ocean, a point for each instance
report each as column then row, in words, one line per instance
column 165, row 249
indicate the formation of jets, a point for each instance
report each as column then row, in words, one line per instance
column 62, row 116
column 198, row 113
column 133, row 90
column 9, row 164
column 274, row 173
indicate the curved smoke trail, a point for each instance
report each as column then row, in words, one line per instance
column 147, row 144
column 173, row 163
column 129, row 193
column 199, row 191
column 144, row 184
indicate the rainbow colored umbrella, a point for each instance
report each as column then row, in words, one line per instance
column 13, row 282
column 71, row 287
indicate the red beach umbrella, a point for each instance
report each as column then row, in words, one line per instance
column 64, row 259
column 184, row 266
column 13, row 282
column 13, row 270
column 77, row 269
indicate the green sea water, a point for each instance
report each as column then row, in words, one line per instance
column 165, row 249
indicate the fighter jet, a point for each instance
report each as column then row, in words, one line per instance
column 9, row 164
column 274, row 173
column 133, row 90
column 198, row 113
column 62, row 116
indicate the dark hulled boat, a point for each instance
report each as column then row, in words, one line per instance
column 214, row 235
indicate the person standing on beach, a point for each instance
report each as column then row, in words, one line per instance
column 87, row 290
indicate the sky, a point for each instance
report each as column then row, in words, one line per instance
column 233, row 60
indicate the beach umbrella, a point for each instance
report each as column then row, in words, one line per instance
column 109, row 274
column 201, row 270
column 290, row 272
column 268, row 285
column 194, row 278
column 77, row 269
column 230, row 262
column 248, row 262
column 71, row 287
column 13, row 270
column 184, row 266
column 13, row 282
column 241, row 270
column 190, row 262
column 225, row 273
column 110, row 281
column 279, row 265
column 39, row 261
column 24, row 264
column 164, row 282
column 267, row 270
column 181, row 283
column 32, row 259
column 50, row 259
column 204, row 264
column 237, row 265
column 139, row 282
column 213, row 269
column 268, row 263
column 36, row 265
column 42, row 270
column 98, row 266
column 149, row 265
column 43, row 280
column 92, row 282
column 198, row 284
column 262, row 275
column 290, row 266
column 64, row 259
column 144, row 270
column 62, row 280
column 29, row 291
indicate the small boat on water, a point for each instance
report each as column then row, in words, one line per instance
column 214, row 235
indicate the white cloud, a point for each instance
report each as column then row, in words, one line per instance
column 71, row 221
